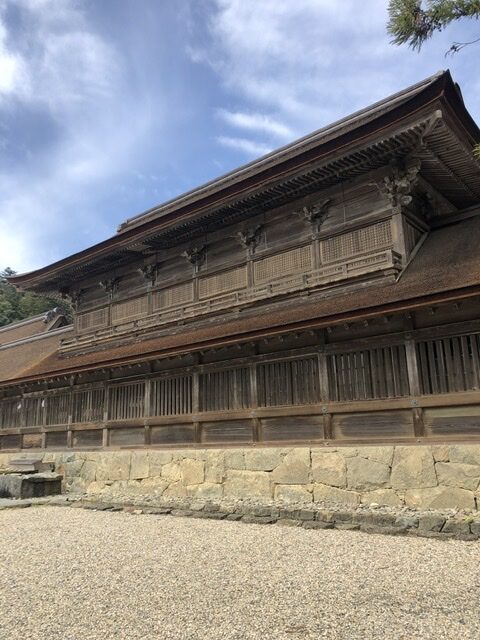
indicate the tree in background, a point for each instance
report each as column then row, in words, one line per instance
column 17, row 305
column 413, row 22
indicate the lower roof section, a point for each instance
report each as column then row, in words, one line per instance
column 445, row 268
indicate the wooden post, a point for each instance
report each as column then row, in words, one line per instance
column 253, row 386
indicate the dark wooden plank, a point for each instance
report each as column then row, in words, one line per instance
column 294, row 428
column 378, row 424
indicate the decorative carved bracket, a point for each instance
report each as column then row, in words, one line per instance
column 250, row 237
column 398, row 186
column 51, row 315
column 149, row 272
column 196, row 255
column 110, row 286
column 317, row 214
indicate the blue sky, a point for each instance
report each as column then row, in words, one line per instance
column 109, row 107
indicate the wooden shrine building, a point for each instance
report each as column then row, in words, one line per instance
column 327, row 292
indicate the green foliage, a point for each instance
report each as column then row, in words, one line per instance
column 412, row 22
column 16, row 305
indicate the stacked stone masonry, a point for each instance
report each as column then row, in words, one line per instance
column 420, row 477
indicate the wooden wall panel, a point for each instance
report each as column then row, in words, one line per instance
column 345, row 245
column 228, row 431
column 32, row 441
column 10, row 442
column 172, row 434
column 126, row 437
column 452, row 421
column 57, row 440
column 286, row 428
column 88, row 438
column 377, row 424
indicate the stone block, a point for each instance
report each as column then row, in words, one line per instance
column 431, row 522
column 456, row 527
column 140, row 465
column 440, row 498
column 317, row 525
column 114, row 465
column 214, row 466
column 154, row 486
column 457, row 474
column 175, row 490
column 475, row 528
column 89, row 471
column 193, row 471
column 262, row 459
column 206, row 490
column 171, row 471
column 465, row 453
column 329, row 468
column 73, row 468
column 379, row 454
column 324, row 493
column 366, row 473
column 413, row 468
column 385, row 497
column 440, row 453
column 294, row 468
column 292, row 493
column 348, row 452
column 246, row 484
column 156, row 460
column 96, row 487
column 235, row 459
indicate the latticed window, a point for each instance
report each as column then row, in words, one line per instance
column 222, row 282
column 92, row 319
column 58, row 408
column 88, row 405
column 375, row 236
column 288, row 382
column 283, row 264
column 130, row 309
column 173, row 296
column 10, row 413
column 126, row 401
column 33, row 411
column 369, row 373
column 225, row 390
column 171, row 396
column 449, row 364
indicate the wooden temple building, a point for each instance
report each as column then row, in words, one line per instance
column 328, row 292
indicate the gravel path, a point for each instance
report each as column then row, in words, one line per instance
column 71, row 574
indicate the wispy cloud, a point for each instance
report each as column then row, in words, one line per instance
column 256, row 122
column 250, row 147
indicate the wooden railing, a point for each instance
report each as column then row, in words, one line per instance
column 359, row 265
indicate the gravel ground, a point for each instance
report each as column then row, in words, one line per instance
column 72, row 574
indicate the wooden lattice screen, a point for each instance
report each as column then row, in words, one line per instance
column 58, row 408
column 225, row 390
column 368, row 374
column 288, row 382
column 449, row 364
column 130, row 309
column 126, row 401
column 222, row 282
column 10, row 413
column 88, row 405
column 283, row 264
column 171, row 396
column 33, row 411
column 173, row 296
column 92, row 319
column 375, row 236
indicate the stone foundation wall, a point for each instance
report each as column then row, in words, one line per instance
column 419, row 476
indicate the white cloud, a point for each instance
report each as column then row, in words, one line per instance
column 256, row 122
column 250, row 147
column 63, row 69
